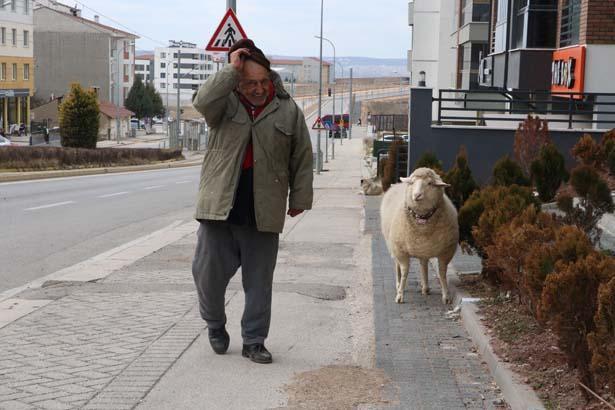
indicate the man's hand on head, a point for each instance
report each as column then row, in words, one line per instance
column 292, row 212
column 237, row 59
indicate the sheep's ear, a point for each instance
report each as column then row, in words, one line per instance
column 405, row 180
column 441, row 184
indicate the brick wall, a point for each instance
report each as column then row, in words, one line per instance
column 597, row 22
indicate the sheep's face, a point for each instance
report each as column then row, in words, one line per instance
column 424, row 190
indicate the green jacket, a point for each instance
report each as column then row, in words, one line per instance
column 282, row 153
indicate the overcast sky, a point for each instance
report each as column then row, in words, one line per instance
column 283, row 27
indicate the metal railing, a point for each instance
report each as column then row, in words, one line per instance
column 569, row 105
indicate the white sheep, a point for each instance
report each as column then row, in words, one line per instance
column 419, row 221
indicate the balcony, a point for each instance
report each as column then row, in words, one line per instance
column 474, row 32
column 411, row 13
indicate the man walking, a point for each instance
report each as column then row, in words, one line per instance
column 259, row 149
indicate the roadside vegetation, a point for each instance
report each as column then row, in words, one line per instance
column 17, row 158
column 79, row 126
column 535, row 226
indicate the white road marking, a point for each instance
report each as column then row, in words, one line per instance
column 153, row 187
column 183, row 182
column 114, row 194
column 49, row 206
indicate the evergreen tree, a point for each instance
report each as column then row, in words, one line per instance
column 158, row 107
column 139, row 101
column 79, row 118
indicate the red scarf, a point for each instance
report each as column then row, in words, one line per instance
column 254, row 112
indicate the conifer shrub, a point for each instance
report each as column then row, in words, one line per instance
column 594, row 201
column 460, row 179
column 79, row 118
column 388, row 171
column 429, row 160
column 568, row 245
column 531, row 135
column 602, row 340
column 570, row 301
column 588, row 152
column 548, row 172
column 468, row 217
column 513, row 242
column 507, row 172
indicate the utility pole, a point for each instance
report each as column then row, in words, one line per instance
column 350, row 108
column 318, row 160
column 118, row 126
column 179, row 62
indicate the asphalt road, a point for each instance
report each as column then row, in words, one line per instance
column 50, row 224
column 47, row 225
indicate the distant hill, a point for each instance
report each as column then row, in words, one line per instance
column 362, row 66
column 366, row 66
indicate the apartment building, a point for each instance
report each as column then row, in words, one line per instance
column 196, row 66
column 16, row 63
column 144, row 68
column 304, row 70
column 70, row 48
column 558, row 45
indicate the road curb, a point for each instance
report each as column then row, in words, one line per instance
column 34, row 175
column 517, row 394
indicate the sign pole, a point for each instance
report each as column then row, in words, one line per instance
column 318, row 160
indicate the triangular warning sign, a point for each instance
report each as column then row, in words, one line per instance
column 228, row 33
column 318, row 125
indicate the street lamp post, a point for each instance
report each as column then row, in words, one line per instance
column 318, row 160
column 334, row 84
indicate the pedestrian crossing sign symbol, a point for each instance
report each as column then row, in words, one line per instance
column 318, row 124
column 228, row 33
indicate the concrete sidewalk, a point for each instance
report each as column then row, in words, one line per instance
column 122, row 330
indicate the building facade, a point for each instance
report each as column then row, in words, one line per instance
column 553, row 45
column 71, row 49
column 196, row 67
column 16, row 63
column 304, row 70
column 432, row 55
column 144, row 68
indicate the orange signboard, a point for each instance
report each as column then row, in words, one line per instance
column 568, row 70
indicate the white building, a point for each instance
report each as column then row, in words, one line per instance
column 144, row 68
column 434, row 48
column 196, row 67
column 303, row 71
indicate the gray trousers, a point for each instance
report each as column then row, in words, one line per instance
column 221, row 249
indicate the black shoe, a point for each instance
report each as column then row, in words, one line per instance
column 219, row 340
column 257, row 353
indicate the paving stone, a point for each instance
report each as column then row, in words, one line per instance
column 421, row 351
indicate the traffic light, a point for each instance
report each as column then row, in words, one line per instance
column 329, row 91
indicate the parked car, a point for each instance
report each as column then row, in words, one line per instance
column 391, row 137
column 136, row 123
column 4, row 142
column 157, row 120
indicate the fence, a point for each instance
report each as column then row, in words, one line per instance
column 562, row 107
column 389, row 122
column 485, row 145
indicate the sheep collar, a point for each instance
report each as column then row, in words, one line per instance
column 424, row 218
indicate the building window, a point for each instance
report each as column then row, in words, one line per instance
column 163, row 65
column 27, row 6
column 163, row 75
column 3, row 72
column 26, row 38
column 14, row 31
column 26, row 71
column 163, row 85
column 14, row 72
column 163, row 55
column 571, row 18
column 13, row 5
column 3, row 35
